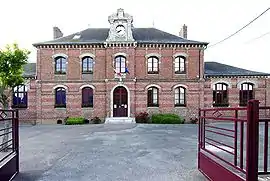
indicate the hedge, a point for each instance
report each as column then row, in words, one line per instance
column 167, row 119
column 75, row 120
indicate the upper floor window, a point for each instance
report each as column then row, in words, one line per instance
column 220, row 95
column 60, row 97
column 152, row 97
column 19, row 97
column 87, row 65
column 180, row 96
column 246, row 93
column 87, row 97
column 180, row 65
column 120, row 64
column 60, row 65
column 152, row 65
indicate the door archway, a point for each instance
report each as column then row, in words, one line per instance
column 120, row 101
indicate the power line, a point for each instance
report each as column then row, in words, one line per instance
column 258, row 37
column 240, row 29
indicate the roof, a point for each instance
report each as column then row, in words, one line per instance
column 219, row 69
column 141, row 35
column 29, row 70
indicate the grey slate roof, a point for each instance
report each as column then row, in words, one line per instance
column 219, row 69
column 211, row 69
column 141, row 35
column 29, row 70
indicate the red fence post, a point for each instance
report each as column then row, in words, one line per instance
column 17, row 139
column 252, row 141
column 199, row 137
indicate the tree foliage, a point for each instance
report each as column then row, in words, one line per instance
column 12, row 59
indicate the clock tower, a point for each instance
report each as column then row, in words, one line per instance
column 120, row 27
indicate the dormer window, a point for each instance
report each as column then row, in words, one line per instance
column 76, row 37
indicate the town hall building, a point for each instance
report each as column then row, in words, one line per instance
column 122, row 70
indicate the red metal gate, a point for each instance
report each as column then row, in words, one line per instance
column 229, row 142
column 9, row 149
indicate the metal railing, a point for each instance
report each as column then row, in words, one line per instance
column 9, row 147
column 228, row 142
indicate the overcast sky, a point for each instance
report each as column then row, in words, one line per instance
column 30, row 21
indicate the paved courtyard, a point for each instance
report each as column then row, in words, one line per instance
column 109, row 152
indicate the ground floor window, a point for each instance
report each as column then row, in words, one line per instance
column 180, row 96
column 246, row 93
column 60, row 97
column 152, row 97
column 220, row 95
column 87, row 97
column 20, row 97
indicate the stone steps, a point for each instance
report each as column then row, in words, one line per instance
column 118, row 120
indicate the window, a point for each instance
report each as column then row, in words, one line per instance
column 152, row 97
column 87, row 97
column 246, row 93
column 87, row 65
column 120, row 64
column 60, row 65
column 19, row 97
column 60, row 97
column 220, row 95
column 152, row 65
column 180, row 65
column 180, row 96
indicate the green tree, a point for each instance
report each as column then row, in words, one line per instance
column 12, row 60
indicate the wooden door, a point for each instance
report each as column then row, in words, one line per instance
column 120, row 102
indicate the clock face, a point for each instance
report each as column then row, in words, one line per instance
column 120, row 30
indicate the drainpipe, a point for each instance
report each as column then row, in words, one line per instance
column 199, row 64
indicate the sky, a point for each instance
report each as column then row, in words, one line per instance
column 30, row 21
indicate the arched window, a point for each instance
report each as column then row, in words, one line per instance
column 87, row 65
column 60, row 65
column 246, row 93
column 180, row 65
column 152, row 97
column 87, row 97
column 60, row 97
column 152, row 65
column 180, row 96
column 120, row 64
column 20, row 97
column 220, row 95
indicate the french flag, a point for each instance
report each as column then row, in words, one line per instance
column 126, row 70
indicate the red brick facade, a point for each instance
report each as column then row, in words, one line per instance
column 198, row 93
column 103, row 45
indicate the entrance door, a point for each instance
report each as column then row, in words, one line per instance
column 120, row 102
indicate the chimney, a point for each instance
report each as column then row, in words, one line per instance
column 183, row 32
column 57, row 33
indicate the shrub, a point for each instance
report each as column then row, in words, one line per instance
column 142, row 117
column 167, row 119
column 96, row 120
column 74, row 120
column 193, row 120
column 86, row 121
